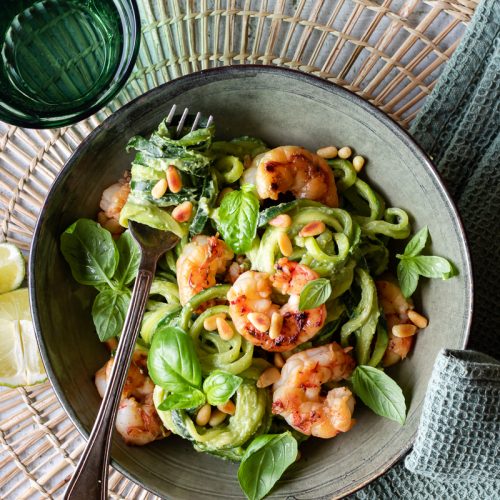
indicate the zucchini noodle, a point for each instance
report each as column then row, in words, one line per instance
column 345, row 175
column 233, row 356
column 395, row 225
column 364, row 310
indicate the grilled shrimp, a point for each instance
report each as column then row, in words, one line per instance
column 268, row 325
column 292, row 169
column 395, row 308
column 200, row 261
column 136, row 420
column 297, row 394
column 112, row 201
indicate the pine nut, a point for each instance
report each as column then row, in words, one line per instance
column 159, row 189
column 228, row 407
column 259, row 321
column 203, row 415
column 345, row 152
column 282, row 220
column 279, row 362
column 405, row 330
column 174, row 179
column 183, row 212
column 358, row 163
column 276, row 324
column 210, row 323
column 327, row 152
column 312, row 229
column 268, row 377
column 417, row 319
column 224, row 329
column 285, row 244
column 217, row 418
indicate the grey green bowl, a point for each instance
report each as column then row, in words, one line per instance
column 282, row 107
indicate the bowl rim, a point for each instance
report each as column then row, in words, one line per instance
column 186, row 80
column 115, row 85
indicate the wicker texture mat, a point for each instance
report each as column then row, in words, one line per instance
column 390, row 52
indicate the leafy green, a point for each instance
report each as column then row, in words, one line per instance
column 379, row 392
column 173, row 365
column 108, row 312
column 90, row 251
column 412, row 265
column 186, row 396
column 264, row 462
column 431, row 266
column 407, row 277
column 205, row 203
column 130, row 257
column 237, row 218
column 314, row 294
column 172, row 359
column 160, row 151
column 95, row 259
column 220, row 386
column 417, row 243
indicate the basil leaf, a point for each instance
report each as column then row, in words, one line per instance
column 431, row 266
column 90, row 251
column 417, row 243
column 184, row 397
column 379, row 392
column 109, row 311
column 264, row 462
column 219, row 386
column 407, row 277
column 237, row 218
column 315, row 293
column 172, row 359
column 130, row 257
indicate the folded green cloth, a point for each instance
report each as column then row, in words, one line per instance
column 456, row 454
column 459, row 433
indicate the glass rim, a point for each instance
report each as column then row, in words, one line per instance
column 129, row 53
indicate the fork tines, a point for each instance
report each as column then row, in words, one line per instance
column 182, row 119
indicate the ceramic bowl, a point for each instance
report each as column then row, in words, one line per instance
column 282, row 107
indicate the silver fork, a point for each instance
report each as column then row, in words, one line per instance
column 90, row 479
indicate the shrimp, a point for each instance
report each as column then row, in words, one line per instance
column 112, row 201
column 293, row 169
column 297, row 394
column 395, row 308
column 200, row 261
column 136, row 420
column 251, row 293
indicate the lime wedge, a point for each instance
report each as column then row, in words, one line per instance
column 20, row 362
column 12, row 267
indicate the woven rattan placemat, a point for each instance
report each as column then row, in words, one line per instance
column 388, row 51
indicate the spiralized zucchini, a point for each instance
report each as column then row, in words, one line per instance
column 225, row 440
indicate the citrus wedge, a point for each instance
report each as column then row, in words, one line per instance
column 12, row 267
column 20, row 362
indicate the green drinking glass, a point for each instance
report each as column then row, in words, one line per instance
column 62, row 60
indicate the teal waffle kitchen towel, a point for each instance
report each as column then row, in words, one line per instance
column 457, row 450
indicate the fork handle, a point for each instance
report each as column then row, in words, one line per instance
column 90, row 479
